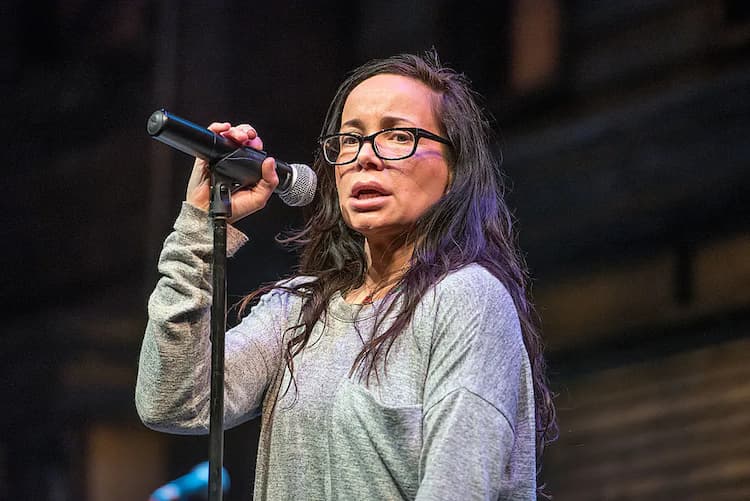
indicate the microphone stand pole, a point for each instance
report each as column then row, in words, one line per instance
column 220, row 211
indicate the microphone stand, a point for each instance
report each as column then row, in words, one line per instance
column 220, row 210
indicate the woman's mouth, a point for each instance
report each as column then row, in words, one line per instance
column 368, row 196
column 367, row 190
column 365, row 194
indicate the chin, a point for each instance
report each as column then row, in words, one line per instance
column 376, row 224
column 378, row 229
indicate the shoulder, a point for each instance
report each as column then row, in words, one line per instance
column 284, row 293
column 475, row 338
column 473, row 286
column 471, row 307
column 294, row 283
column 470, row 275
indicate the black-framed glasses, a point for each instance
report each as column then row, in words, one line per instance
column 395, row 143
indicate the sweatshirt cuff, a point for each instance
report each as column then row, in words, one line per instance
column 197, row 223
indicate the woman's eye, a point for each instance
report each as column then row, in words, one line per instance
column 398, row 136
column 349, row 141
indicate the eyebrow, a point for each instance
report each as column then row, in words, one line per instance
column 387, row 121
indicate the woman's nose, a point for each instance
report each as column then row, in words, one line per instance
column 367, row 158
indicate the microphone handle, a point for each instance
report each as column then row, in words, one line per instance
column 242, row 167
column 241, row 164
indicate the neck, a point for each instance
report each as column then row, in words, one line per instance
column 386, row 263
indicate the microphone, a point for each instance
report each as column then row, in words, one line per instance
column 192, row 484
column 240, row 164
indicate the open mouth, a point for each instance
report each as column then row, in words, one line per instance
column 366, row 191
column 365, row 194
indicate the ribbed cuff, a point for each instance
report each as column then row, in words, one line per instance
column 195, row 221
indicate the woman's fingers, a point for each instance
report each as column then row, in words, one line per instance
column 244, row 201
column 243, row 134
column 270, row 179
column 252, row 199
column 197, row 193
column 219, row 127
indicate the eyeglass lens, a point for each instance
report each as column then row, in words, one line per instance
column 388, row 144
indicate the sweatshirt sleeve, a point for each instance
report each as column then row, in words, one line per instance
column 478, row 431
column 173, row 386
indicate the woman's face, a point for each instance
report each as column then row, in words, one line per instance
column 383, row 198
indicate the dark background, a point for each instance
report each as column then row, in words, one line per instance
column 625, row 137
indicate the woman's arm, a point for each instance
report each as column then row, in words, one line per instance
column 172, row 392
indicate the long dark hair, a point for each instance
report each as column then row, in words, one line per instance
column 469, row 224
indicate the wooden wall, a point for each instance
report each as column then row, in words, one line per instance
column 671, row 427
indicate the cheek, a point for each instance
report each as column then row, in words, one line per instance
column 339, row 189
column 433, row 185
column 343, row 175
column 338, row 186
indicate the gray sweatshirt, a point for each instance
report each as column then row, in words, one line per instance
column 451, row 417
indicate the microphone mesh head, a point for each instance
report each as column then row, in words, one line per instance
column 301, row 189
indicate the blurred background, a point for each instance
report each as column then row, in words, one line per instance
column 625, row 129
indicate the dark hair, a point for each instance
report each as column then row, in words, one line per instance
column 470, row 224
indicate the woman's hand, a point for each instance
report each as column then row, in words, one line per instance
column 246, row 200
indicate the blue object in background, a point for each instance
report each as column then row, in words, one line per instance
column 194, row 483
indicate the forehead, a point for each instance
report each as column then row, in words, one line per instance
column 391, row 95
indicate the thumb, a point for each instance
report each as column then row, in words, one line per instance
column 269, row 177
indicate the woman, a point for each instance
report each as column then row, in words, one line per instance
column 403, row 361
